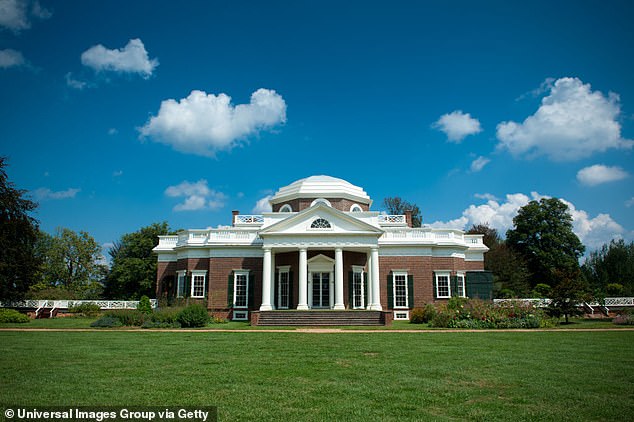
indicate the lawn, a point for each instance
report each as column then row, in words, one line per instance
column 351, row 376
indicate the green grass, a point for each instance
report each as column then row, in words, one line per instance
column 322, row 377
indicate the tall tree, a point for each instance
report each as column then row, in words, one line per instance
column 133, row 270
column 543, row 235
column 397, row 206
column 72, row 262
column 510, row 271
column 612, row 264
column 18, row 233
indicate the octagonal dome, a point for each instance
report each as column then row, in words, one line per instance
column 321, row 187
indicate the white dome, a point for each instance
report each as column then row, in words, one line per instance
column 321, row 187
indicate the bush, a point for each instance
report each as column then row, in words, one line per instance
column 107, row 322
column 614, row 289
column 219, row 320
column 158, row 324
column 129, row 317
column 542, row 290
column 11, row 315
column 193, row 316
column 626, row 318
column 166, row 315
column 88, row 309
column 144, row 305
column 423, row 315
column 477, row 314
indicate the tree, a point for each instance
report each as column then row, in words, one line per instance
column 510, row 271
column 567, row 295
column 543, row 236
column 133, row 270
column 71, row 263
column 18, row 234
column 398, row 206
column 612, row 264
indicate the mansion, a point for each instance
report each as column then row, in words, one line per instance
column 320, row 248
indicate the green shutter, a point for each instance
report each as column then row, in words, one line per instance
column 365, row 288
column 479, row 284
column 434, row 286
column 251, row 289
column 410, row 291
column 453, row 283
column 350, row 290
column 390, row 291
column 188, row 285
column 276, row 289
column 230, row 291
column 291, row 304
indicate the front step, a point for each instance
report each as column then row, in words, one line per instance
column 321, row 318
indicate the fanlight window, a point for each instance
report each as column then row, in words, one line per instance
column 320, row 223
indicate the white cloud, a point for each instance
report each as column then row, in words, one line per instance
column 11, row 58
column 572, row 122
column 75, row 83
column 198, row 196
column 117, row 173
column 629, row 202
column 14, row 14
column 487, row 196
column 592, row 231
column 457, row 125
column 598, row 174
column 133, row 58
column 205, row 123
column 479, row 163
column 112, row 131
column 43, row 194
column 262, row 205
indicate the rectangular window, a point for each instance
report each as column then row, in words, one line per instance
column 240, row 289
column 460, row 290
column 180, row 284
column 400, row 290
column 198, row 284
column 357, row 289
column 443, row 290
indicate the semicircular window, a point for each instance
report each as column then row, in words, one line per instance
column 320, row 223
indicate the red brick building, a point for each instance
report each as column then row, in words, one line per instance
column 321, row 247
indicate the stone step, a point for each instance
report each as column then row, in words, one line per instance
column 318, row 318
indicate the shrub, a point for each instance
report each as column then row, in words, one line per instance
column 144, row 305
column 624, row 319
column 614, row 289
column 193, row 316
column 11, row 315
column 88, row 309
column 158, row 324
column 542, row 290
column 107, row 322
column 129, row 317
column 423, row 315
column 219, row 320
column 166, row 315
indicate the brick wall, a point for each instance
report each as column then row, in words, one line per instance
column 218, row 280
column 165, row 272
column 303, row 203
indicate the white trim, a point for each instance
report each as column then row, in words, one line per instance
column 245, row 273
column 356, row 208
column 283, row 270
column 442, row 274
column 286, row 208
column 396, row 273
column 401, row 315
column 194, row 274
column 358, row 269
column 461, row 276
column 321, row 201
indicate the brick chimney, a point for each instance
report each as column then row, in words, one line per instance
column 408, row 217
column 233, row 218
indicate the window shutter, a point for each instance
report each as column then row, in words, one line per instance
column 390, row 291
column 250, row 297
column 410, row 290
column 276, row 289
column 188, row 285
column 365, row 288
column 230, row 291
column 350, row 290
column 291, row 303
column 435, row 285
column 453, row 282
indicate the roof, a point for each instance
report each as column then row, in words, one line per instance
column 321, row 187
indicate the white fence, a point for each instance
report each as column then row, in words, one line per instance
column 542, row 303
column 65, row 304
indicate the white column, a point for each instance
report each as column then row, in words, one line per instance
column 376, row 293
column 272, row 300
column 266, row 281
column 303, row 280
column 368, row 283
column 339, row 279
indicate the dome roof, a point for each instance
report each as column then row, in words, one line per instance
column 321, row 187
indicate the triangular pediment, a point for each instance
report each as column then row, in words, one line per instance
column 321, row 219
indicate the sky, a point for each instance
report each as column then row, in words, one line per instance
column 118, row 114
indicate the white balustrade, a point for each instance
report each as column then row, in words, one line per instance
column 65, row 304
column 241, row 219
column 386, row 220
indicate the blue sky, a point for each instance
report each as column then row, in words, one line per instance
column 118, row 114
